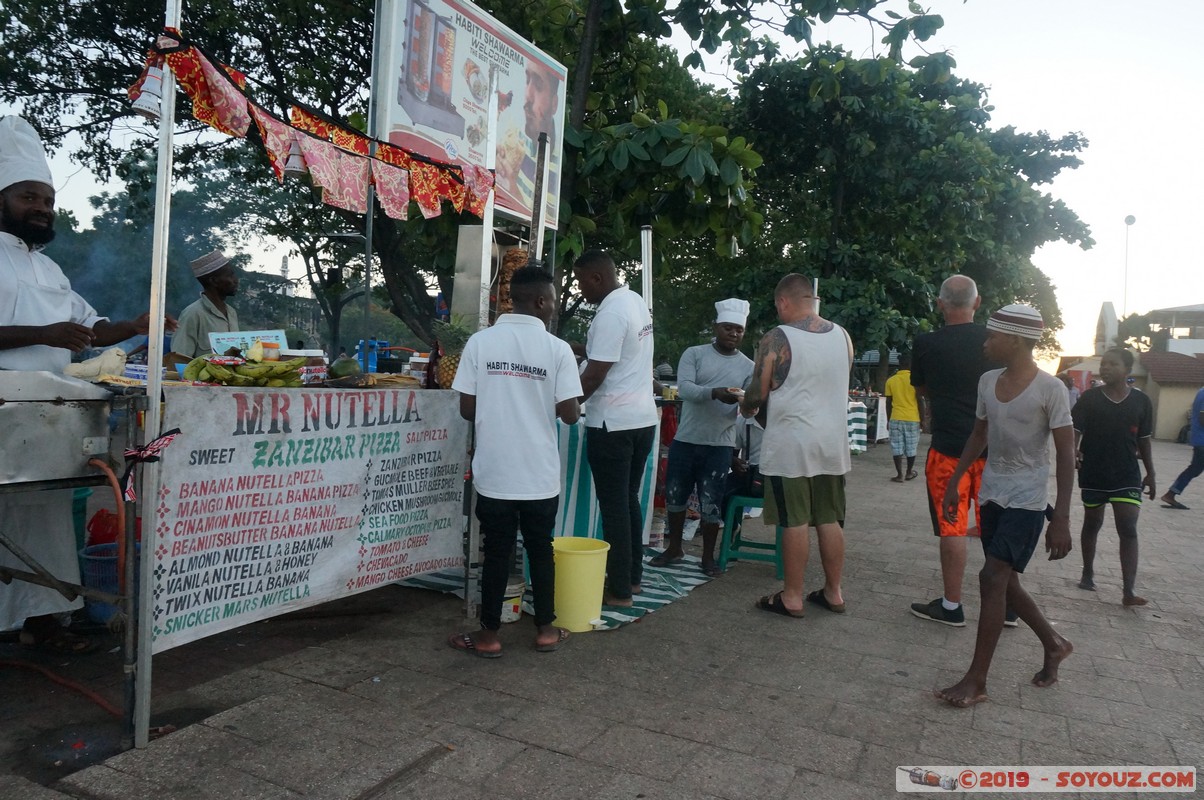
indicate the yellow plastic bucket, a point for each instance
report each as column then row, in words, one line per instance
column 580, row 576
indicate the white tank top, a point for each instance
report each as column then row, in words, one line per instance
column 807, row 430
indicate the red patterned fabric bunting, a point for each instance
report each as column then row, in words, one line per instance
column 392, row 189
column 478, row 181
column 276, row 136
column 215, row 101
column 425, row 181
column 342, row 176
column 392, row 154
column 351, row 140
column 451, row 186
column 226, row 95
column 310, row 123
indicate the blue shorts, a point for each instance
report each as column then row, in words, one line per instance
column 697, row 466
column 1011, row 534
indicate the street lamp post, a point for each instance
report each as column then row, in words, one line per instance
column 1124, row 305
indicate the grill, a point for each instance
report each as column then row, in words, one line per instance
column 50, row 425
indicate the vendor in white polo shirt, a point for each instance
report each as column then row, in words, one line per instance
column 514, row 380
column 620, row 416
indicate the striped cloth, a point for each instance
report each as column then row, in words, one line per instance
column 662, row 585
column 857, row 427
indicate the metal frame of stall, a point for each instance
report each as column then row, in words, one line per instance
column 134, row 403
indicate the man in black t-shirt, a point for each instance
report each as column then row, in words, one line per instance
column 1112, row 424
column 946, row 365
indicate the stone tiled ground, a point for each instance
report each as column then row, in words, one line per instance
column 707, row 698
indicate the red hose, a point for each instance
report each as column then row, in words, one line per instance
column 72, row 685
column 120, row 496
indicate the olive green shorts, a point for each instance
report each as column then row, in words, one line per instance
column 793, row 502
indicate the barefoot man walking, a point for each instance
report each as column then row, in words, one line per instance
column 1018, row 408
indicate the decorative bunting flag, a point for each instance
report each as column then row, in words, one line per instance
column 341, row 160
column 216, row 101
column 276, row 137
column 479, row 182
column 392, row 154
column 424, row 188
column 392, row 189
column 310, row 123
column 343, row 176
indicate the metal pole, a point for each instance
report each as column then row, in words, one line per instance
column 646, row 263
column 487, row 214
column 371, row 213
column 539, row 203
column 1124, row 305
column 154, row 385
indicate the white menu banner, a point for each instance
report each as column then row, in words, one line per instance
column 273, row 500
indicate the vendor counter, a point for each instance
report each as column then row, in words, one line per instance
column 273, row 500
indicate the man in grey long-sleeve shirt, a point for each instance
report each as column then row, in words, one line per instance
column 709, row 378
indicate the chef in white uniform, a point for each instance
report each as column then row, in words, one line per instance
column 42, row 322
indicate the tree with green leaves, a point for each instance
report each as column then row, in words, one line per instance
column 67, row 68
column 881, row 182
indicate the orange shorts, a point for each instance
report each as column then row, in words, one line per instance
column 938, row 469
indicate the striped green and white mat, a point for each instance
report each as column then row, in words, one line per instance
column 662, row 585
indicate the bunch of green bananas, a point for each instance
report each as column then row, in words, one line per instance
column 278, row 374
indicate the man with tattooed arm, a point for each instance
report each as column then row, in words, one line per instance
column 801, row 376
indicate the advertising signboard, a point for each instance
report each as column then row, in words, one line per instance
column 436, row 60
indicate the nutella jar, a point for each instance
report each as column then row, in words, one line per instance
column 314, row 369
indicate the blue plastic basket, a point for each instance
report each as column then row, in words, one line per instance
column 100, row 572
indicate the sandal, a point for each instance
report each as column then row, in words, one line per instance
column 912, row 474
column 820, row 600
column 711, row 569
column 1175, row 504
column 465, row 642
column 896, row 479
column 60, row 642
column 773, row 603
column 663, row 560
column 552, row 647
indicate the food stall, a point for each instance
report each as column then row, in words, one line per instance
column 66, row 422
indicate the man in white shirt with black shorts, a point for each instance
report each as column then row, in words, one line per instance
column 514, row 380
column 620, row 416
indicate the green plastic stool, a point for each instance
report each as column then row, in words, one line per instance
column 735, row 548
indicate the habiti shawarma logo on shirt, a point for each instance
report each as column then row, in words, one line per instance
column 512, row 369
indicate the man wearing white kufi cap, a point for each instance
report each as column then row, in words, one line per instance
column 710, row 380
column 209, row 314
column 42, row 322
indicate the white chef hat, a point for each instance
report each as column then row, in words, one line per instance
column 732, row 310
column 22, row 157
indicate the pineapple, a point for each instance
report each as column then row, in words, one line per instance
column 451, row 336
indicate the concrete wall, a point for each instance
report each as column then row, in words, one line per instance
column 1172, row 402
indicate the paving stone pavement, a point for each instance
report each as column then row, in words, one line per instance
column 707, row 698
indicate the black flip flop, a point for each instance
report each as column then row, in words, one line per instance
column 465, row 642
column 1175, row 504
column 773, row 603
column 660, row 560
column 553, row 646
column 818, row 598
column 712, row 570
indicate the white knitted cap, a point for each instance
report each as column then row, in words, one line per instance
column 1017, row 319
